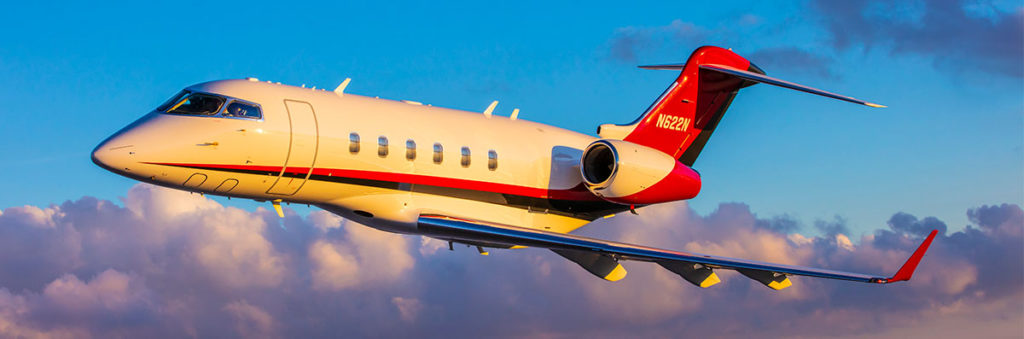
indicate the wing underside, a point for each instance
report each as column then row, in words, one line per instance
column 601, row 257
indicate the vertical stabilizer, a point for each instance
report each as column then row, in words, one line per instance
column 681, row 121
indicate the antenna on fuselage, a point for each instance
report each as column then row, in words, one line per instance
column 341, row 88
column 515, row 114
column 490, row 109
column 277, row 207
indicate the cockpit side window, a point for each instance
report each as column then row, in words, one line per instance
column 198, row 104
column 240, row 109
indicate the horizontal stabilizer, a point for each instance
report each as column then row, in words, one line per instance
column 761, row 78
column 601, row 265
column 667, row 67
column 764, row 79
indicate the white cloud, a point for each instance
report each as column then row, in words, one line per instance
column 430, row 246
column 408, row 308
column 111, row 291
column 325, row 221
column 332, row 270
column 363, row 257
column 842, row 241
column 233, row 250
column 32, row 215
column 177, row 265
column 251, row 321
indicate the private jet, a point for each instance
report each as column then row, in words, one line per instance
column 482, row 180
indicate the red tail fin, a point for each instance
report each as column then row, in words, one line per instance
column 680, row 122
column 683, row 118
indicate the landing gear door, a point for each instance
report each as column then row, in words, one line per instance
column 302, row 148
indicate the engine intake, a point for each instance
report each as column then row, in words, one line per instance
column 599, row 164
column 628, row 173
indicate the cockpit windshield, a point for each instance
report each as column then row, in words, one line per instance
column 173, row 100
column 212, row 105
column 197, row 104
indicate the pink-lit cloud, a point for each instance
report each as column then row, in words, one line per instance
column 171, row 264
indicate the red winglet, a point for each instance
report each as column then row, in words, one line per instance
column 908, row 268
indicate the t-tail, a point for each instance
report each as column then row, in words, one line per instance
column 681, row 121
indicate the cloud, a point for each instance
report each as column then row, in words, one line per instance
column 114, row 301
column 250, row 321
column 358, row 256
column 628, row 41
column 908, row 224
column 793, row 60
column 956, row 34
column 673, row 41
column 408, row 308
column 332, row 270
column 171, row 264
column 111, row 290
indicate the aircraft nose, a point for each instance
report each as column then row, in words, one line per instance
column 114, row 155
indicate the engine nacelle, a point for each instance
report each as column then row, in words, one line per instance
column 628, row 173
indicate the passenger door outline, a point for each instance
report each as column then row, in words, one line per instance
column 303, row 145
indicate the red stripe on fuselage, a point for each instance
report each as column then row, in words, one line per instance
column 578, row 193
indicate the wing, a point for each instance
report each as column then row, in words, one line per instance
column 601, row 257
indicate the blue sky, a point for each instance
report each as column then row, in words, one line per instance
column 788, row 177
column 951, row 139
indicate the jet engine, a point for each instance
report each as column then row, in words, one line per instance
column 627, row 173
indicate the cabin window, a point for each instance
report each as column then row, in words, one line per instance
column 438, row 153
column 492, row 160
column 465, row 156
column 353, row 142
column 382, row 146
column 410, row 149
column 238, row 109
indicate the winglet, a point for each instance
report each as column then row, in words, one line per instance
column 908, row 268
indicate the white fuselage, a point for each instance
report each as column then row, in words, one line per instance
column 303, row 150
